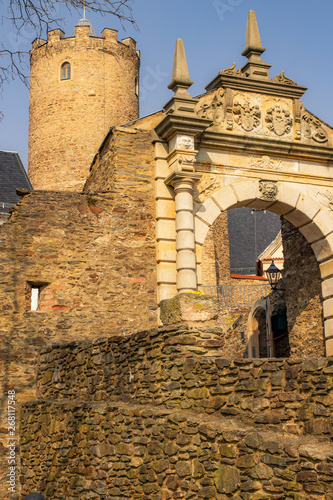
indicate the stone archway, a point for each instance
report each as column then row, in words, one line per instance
column 311, row 219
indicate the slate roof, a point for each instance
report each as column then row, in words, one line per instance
column 249, row 235
column 86, row 22
column 12, row 176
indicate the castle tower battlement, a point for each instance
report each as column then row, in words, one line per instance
column 80, row 87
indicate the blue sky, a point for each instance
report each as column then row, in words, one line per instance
column 297, row 35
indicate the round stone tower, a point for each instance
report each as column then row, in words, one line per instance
column 80, row 87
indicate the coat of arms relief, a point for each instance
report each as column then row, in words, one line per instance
column 278, row 119
column 247, row 115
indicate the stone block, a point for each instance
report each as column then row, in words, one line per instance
column 198, row 253
column 326, row 268
column 328, row 308
column 165, row 209
column 308, row 207
column 166, row 251
column 297, row 218
column 311, row 232
column 323, row 249
column 163, row 191
column 165, row 230
column 166, row 273
column 246, row 191
column 184, row 221
column 225, row 198
column 324, row 221
column 209, row 211
column 328, row 326
column 161, row 150
column 259, row 204
column 185, row 240
column 200, row 231
column 186, row 260
column 287, row 200
column 161, row 169
column 188, row 307
column 165, row 291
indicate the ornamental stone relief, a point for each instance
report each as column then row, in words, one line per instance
column 208, row 185
column 268, row 190
column 247, row 115
column 278, row 120
column 281, row 78
column 232, row 70
column 185, row 142
column 325, row 198
column 266, row 163
column 213, row 110
column 186, row 163
column 313, row 129
column 298, row 110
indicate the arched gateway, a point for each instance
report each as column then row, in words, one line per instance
column 250, row 142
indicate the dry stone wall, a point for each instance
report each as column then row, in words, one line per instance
column 115, row 451
column 185, row 368
column 156, row 415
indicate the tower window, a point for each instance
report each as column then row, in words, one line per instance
column 65, row 73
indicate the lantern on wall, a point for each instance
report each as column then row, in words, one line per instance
column 273, row 274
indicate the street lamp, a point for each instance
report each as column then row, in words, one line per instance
column 273, row 275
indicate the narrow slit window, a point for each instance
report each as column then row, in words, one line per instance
column 35, row 292
column 65, row 71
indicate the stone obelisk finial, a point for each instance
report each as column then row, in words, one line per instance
column 180, row 81
column 255, row 67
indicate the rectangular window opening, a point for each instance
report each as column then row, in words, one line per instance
column 35, row 292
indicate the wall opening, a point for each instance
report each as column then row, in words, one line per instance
column 36, row 292
column 65, row 71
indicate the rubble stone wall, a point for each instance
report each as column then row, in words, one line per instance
column 157, row 415
column 92, row 258
column 181, row 367
column 117, row 451
column 302, row 283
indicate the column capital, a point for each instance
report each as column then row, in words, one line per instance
column 184, row 181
